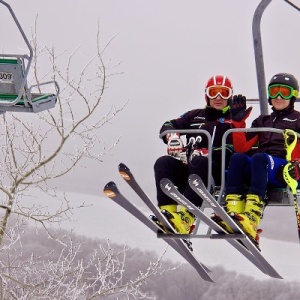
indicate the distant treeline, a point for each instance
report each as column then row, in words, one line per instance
column 178, row 284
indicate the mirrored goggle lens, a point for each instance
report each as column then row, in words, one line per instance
column 214, row 91
column 284, row 91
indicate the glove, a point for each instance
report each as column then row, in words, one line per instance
column 239, row 120
column 239, row 111
column 199, row 152
column 183, row 157
column 175, row 144
column 237, row 104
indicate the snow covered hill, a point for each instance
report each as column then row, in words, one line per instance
column 104, row 219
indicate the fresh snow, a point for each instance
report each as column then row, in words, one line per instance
column 104, row 219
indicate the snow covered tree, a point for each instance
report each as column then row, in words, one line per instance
column 85, row 269
column 48, row 145
column 38, row 148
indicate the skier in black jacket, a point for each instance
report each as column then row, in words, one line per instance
column 182, row 160
column 264, row 169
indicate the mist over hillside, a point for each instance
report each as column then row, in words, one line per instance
column 172, row 281
column 102, row 218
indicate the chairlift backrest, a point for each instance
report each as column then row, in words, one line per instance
column 11, row 75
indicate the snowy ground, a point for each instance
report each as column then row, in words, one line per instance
column 104, row 219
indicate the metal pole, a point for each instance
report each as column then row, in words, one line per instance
column 292, row 4
column 258, row 53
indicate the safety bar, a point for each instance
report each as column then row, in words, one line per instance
column 259, row 129
column 209, row 148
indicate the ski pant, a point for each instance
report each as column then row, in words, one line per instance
column 253, row 175
column 178, row 172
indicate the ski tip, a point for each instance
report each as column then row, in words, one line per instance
column 125, row 175
column 109, row 189
column 195, row 177
column 165, row 183
column 123, row 167
column 125, row 172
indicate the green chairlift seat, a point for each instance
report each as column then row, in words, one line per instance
column 15, row 95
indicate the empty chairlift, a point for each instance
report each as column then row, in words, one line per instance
column 15, row 94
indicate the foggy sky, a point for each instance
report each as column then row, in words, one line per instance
column 167, row 50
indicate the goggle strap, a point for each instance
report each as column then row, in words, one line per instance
column 295, row 93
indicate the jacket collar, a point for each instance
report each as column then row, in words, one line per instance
column 214, row 114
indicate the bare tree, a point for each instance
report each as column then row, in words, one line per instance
column 51, row 144
column 36, row 149
column 76, row 273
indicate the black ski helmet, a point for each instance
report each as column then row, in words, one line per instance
column 285, row 78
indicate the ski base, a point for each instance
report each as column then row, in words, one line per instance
column 164, row 233
column 217, row 236
column 228, row 229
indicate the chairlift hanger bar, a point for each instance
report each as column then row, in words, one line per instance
column 292, row 4
column 257, row 100
column 15, row 95
column 30, row 57
column 258, row 52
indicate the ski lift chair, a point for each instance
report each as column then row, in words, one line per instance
column 275, row 196
column 15, row 94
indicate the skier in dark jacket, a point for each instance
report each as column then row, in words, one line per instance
column 215, row 118
column 264, row 169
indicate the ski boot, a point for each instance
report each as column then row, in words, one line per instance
column 184, row 211
column 250, row 218
column 234, row 204
column 182, row 220
column 257, row 238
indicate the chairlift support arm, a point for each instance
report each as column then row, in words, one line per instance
column 15, row 95
column 30, row 57
column 258, row 53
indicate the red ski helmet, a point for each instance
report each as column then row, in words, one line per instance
column 224, row 85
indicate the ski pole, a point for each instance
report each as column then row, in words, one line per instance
column 290, row 141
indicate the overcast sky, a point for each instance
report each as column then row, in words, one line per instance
column 167, row 49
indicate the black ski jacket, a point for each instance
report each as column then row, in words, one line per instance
column 269, row 142
column 216, row 122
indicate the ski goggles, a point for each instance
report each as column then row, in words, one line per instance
column 214, row 91
column 285, row 91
